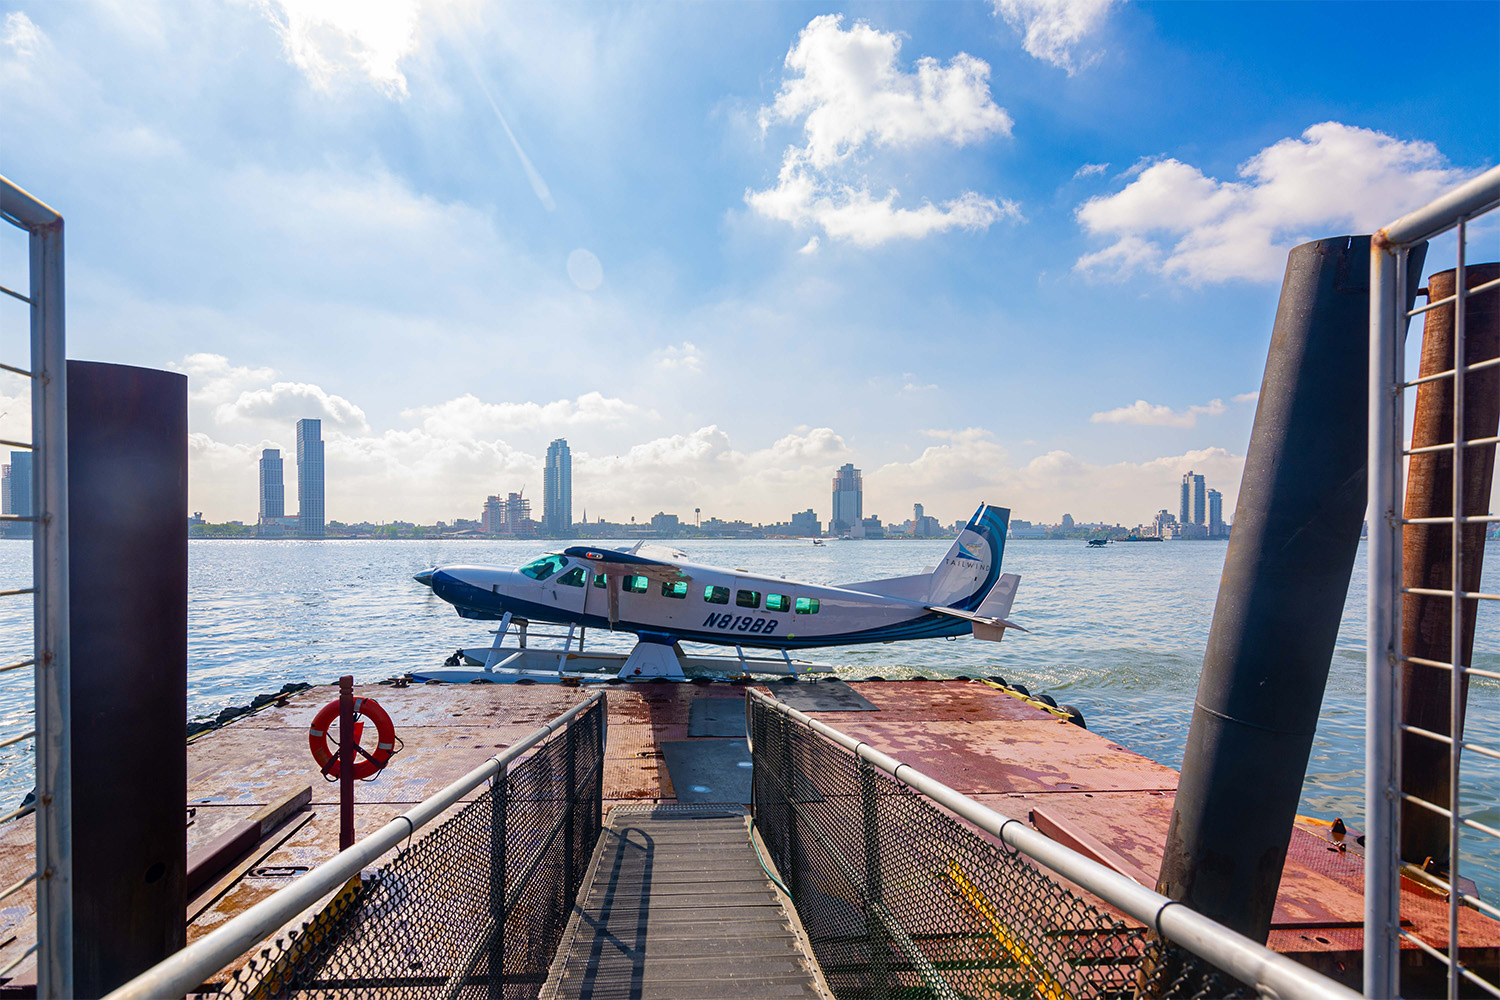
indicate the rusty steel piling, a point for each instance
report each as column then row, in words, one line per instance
column 1281, row 597
column 1427, row 548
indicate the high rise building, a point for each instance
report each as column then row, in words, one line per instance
column 310, row 513
column 15, row 493
column 1193, row 507
column 848, row 501
column 272, row 484
column 1215, row 514
column 492, row 521
column 517, row 514
column 557, row 490
column 19, row 481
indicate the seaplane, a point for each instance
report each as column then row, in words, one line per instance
column 655, row 593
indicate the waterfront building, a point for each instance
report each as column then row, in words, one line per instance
column 518, row 514
column 1023, row 529
column 1192, row 508
column 665, row 525
column 310, row 512
column 1215, row 514
column 557, row 489
column 806, row 524
column 1165, row 525
column 272, row 484
column 923, row 525
column 17, row 493
column 869, row 527
column 848, row 501
column 492, row 520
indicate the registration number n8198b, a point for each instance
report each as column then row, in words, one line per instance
column 742, row 623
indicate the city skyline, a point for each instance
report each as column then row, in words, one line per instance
column 1015, row 252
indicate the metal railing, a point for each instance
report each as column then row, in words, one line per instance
column 1387, row 790
column 480, row 901
column 48, row 517
column 900, row 899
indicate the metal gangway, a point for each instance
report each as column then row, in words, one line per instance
column 886, row 883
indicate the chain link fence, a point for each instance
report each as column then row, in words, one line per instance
column 900, row 900
column 474, row 909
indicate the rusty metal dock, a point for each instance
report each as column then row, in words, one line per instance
column 1076, row 787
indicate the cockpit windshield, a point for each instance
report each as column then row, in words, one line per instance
column 542, row 568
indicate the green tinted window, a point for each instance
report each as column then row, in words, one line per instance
column 636, row 584
column 677, row 590
column 716, row 595
column 540, row 569
column 573, row 577
column 600, row 580
column 807, row 606
column 778, row 602
column 747, row 598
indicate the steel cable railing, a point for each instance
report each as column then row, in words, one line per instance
column 1390, row 772
column 475, row 907
column 899, row 898
column 47, row 514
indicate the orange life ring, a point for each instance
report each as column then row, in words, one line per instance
column 328, row 761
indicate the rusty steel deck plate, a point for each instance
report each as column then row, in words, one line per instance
column 979, row 740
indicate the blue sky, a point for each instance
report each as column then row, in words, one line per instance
column 1021, row 252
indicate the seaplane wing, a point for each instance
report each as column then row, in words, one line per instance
column 656, row 593
column 654, row 562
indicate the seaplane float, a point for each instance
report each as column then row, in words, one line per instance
column 656, row 594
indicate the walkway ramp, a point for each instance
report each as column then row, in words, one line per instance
column 676, row 906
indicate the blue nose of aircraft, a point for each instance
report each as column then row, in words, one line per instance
column 425, row 577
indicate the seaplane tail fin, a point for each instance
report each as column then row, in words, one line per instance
column 966, row 575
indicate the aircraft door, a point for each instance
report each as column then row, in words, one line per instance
column 567, row 591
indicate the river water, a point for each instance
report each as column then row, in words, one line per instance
column 1119, row 632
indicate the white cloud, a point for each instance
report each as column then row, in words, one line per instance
column 684, row 357
column 810, row 247
column 21, row 35
column 1051, row 29
column 288, row 402
column 331, row 40
column 1091, row 170
column 1174, row 220
column 1247, row 397
column 468, row 418
column 969, row 466
column 1147, row 414
column 212, row 379
column 852, row 97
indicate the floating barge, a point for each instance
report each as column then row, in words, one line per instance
column 671, row 744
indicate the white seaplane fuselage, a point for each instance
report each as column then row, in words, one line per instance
column 657, row 594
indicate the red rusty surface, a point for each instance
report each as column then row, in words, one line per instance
column 989, row 756
column 978, row 740
column 949, row 701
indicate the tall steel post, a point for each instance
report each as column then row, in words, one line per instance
column 54, row 763
column 1382, row 637
column 348, row 741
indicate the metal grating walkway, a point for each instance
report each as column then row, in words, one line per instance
column 677, row 907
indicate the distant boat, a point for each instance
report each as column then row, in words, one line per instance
column 817, row 541
column 1098, row 543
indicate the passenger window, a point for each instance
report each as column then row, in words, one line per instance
column 573, row 577
column 807, row 606
column 716, row 595
column 600, row 580
column 541, row 569
column 778, row 602
column 677, row 590
column 636, row 584
column 747, row 598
